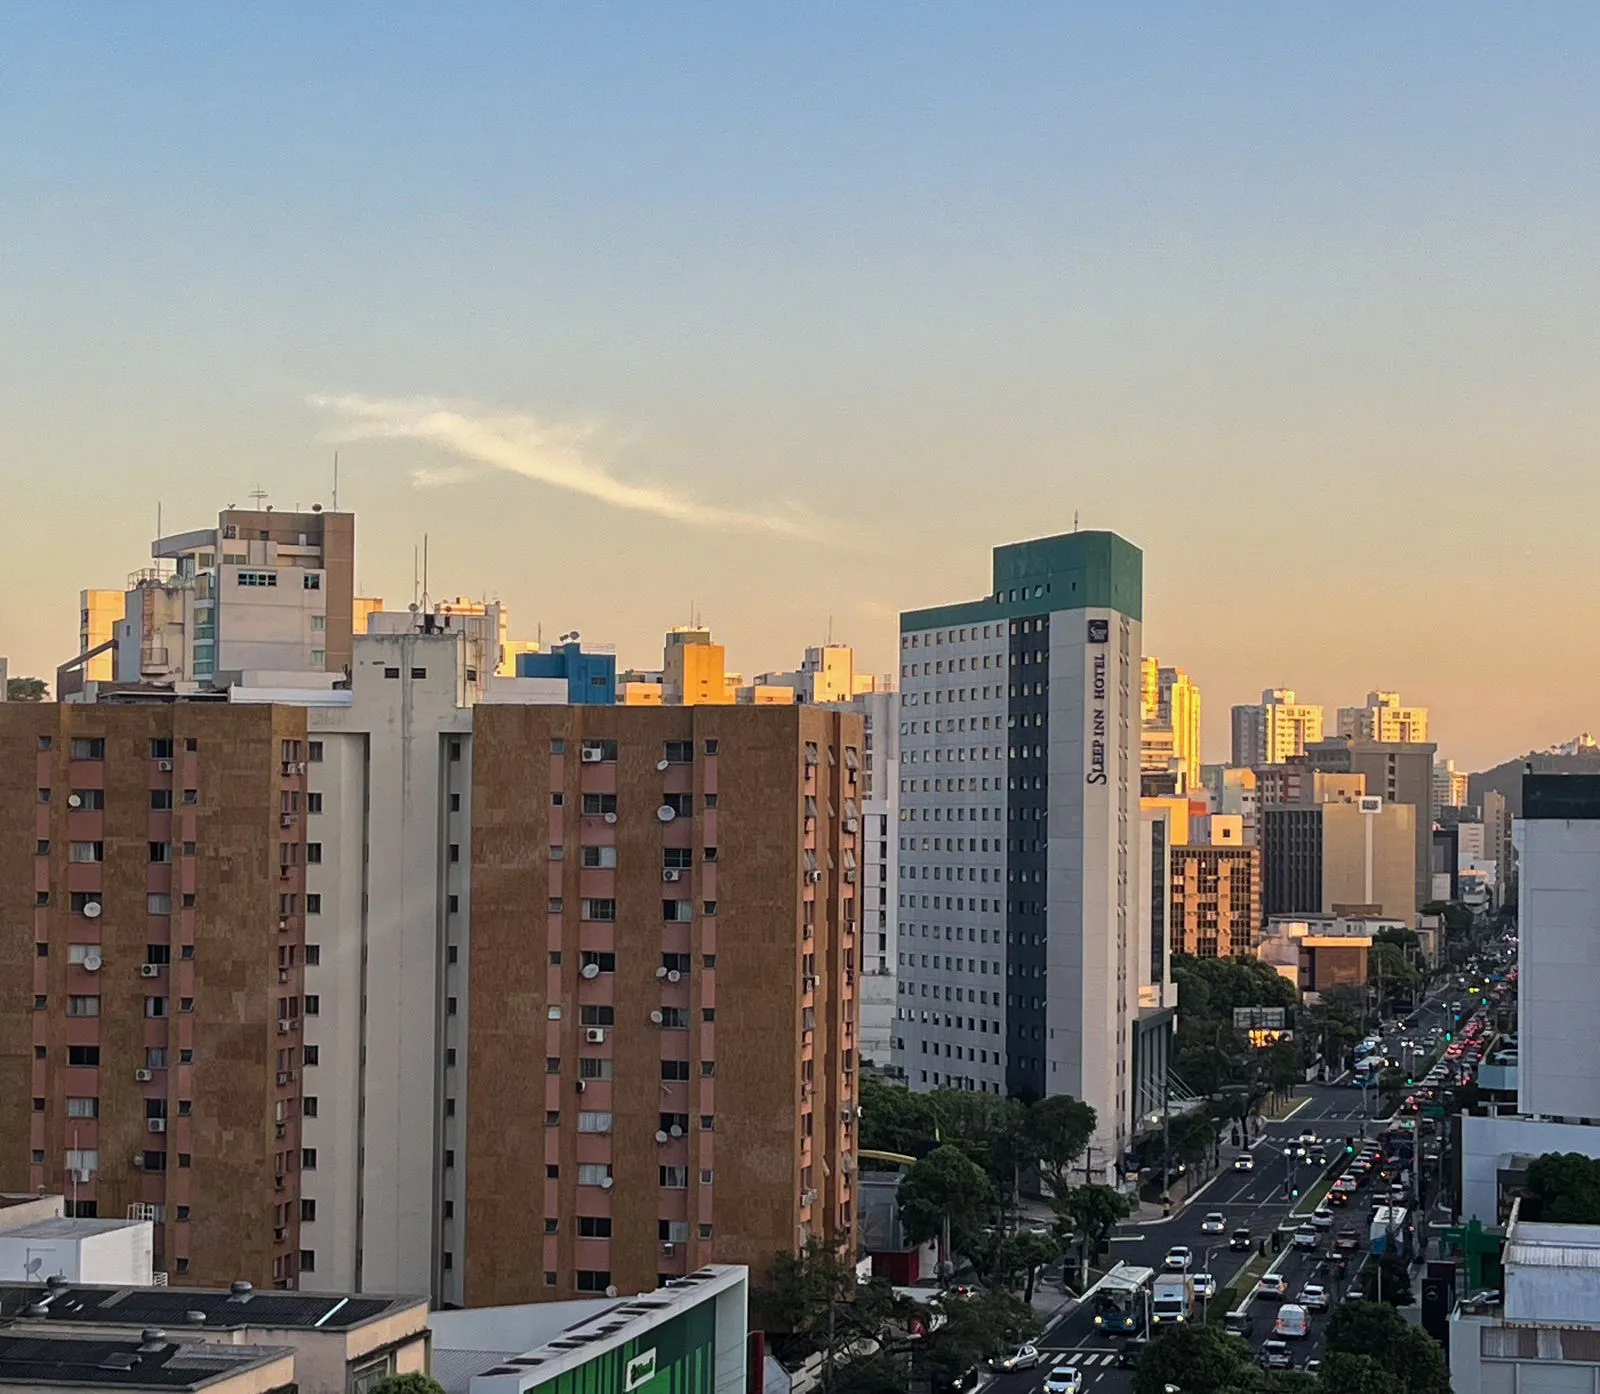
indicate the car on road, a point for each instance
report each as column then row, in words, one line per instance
column 1240, row 1241
column 1314, row 1297
column 1178, row 1258
column 1024, row 1357
column 1307, row 1137
column 1322, row 1218
column 1215, row 1222
column 1132, row 1349
column 1276, row 1355
column 1272, row 1285
column 1292, row 1320
column 1313, row 1367
column 1244, row 1162
column 1064, row 1379
column 1339, row 1198
column 1205, row 1285
column 1356, row 1292
column 1306, row 1237
column 1346, row 1241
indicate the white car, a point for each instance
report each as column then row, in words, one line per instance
column 1272, row 1285
column 1306, row 1237
column 1215, row 1222
column 1064, row 1379
column 1314, row 1297
column 1322, row 1218
column 1024, row 1357
column 1205, row 1285
column 1178, row 1258
column 1307, row 1138
column 1244, row 1162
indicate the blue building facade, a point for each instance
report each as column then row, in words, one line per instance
column 591, row 677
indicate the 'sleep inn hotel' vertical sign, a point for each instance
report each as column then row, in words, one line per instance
column 1099, row 633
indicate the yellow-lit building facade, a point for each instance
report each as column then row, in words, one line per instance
column 98, row 614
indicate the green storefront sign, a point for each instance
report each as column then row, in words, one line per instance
column 676, row 1357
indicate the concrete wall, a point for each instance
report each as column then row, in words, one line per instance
column 1558, row 960
column 1488, row 1144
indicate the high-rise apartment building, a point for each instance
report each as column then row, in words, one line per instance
column 1396, row 772
column 1170, row 724
column 1019, row 824
column 262, row 592
column 151, row 995
column 880, row 870
column 1275, row 730
column 1384, row 719
column 666, row 1074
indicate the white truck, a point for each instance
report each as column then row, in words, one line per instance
column 1173, row 1300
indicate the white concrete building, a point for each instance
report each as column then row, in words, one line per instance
column 1019, row 831
column 1558, row 977
column 880, row 871
column 1275, row 729
column 1383, row 718
column 38, row 1242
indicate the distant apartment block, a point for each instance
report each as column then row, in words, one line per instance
column 1275, row 730
column 1216, row 899
column 1170, row 725
column 98, row 613
column 1383, row 718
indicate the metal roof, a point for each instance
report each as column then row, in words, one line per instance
column 171, row 1307
column 77, row 1360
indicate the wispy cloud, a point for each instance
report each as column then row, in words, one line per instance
column 563, row 456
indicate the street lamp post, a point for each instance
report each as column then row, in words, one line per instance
column 1205, row 1298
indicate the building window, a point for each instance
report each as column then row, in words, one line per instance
column 308, row 1106
column 308, row 1212
column 83, row 1006
column 311, row 581
column 155, row 1006
column 89, row 748
column 312, row 1055
column 593, row 1280
column 88, row 800
column 260, row 579
column 160, row 851
column 602, row 857
column 313, row 1004
column 680, row 752
column 589, row 909
column 598, row 805
column 594, row 1122
column 84, row 1057
column 594, row 1173
column 675, row 1069
column 83, row 1108
column 308, row 1159
column 308, row 1260
column 314, row 853
column 594, row 1226
column 313, row 903
column 87, row 851
column 674, row 1178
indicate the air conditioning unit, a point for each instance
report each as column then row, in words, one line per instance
column 1370, row 803
column 156, row 1125
column 809, row 1198
column 592, row 755
column 286, row 821
column 82, row 1175
column 672, row 874
column 850, row 878
column 595, row 1035
column 283, row 1028
column 668, row 1247
column 165, row 766
column 144, row 1076
column 582, row 1085
column 149, row 970
column 849, row 825
column 814, row 877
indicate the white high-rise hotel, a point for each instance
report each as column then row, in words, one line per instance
column 1019, row 958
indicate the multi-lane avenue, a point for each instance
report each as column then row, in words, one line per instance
column 1260, row 1199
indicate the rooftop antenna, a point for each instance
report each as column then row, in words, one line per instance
column 424, row 570
column 335, row 481
column 416, row 589
column 1074, row 520
column 259, row 495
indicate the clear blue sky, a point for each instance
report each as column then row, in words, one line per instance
column 795, row 311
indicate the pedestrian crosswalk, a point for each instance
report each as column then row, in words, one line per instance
column 1083, row 1358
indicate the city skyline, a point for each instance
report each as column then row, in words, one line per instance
column 629, row 305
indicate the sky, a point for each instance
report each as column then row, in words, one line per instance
column 784, row 316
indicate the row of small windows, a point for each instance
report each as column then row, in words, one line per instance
column 1021, row 658
column 928, row 638
column 937, row 695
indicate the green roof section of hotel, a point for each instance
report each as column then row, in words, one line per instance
column 1071, row 571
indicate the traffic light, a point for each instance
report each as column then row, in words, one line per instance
column 1448, row 1037
column 1349, row 1147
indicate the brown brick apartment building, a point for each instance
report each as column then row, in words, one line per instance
column 151, row 946
column 1216, row 900
column 663, row 1026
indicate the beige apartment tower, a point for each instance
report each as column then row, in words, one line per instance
column 1383, row 718
column 1275, row 730
column 666, row 1075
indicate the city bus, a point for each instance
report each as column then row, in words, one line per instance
column 1120, row 1299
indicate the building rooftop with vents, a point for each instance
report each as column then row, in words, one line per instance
column 698, row 1326
column 341, row 1344
column 146, row 1361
